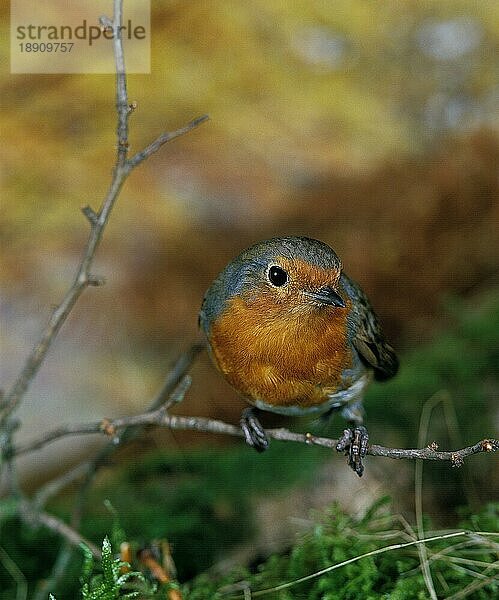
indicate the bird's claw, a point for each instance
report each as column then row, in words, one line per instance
column 354, row 443
column 254, row 433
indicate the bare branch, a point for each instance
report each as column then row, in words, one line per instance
column 160, row 418
column 176, row 374
column 54, row 486
column 33, row 516
column 163, row 139
column 177, row 381
column 98, row 220
column 121, row 87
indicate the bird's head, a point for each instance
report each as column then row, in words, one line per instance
column 289, row 275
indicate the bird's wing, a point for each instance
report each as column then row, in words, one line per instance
column 367, row 336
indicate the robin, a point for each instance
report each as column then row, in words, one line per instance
column 294, row 335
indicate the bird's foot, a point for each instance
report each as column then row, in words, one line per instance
column 354, row 443
column 254, row 433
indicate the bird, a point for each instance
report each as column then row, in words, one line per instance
column 294, row 335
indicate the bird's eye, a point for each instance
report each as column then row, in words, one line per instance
column 277, row 276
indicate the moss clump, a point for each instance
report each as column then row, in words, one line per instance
column 455, row 563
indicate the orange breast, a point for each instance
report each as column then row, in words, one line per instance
column 280, row 357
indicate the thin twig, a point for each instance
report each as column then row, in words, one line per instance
column 15, row 572
column 475, row 585
column 163, row 139
column 176, row 374
column 122, row 108
column 29, row 513
column 424, row 424
column 54, row 486
column 159, row 418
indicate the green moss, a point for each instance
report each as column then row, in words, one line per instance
column 394, row 574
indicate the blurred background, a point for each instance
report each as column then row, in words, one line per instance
column 371, row 126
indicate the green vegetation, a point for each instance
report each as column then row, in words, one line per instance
column 395, row 574
column 114, row 578
column 464, row 563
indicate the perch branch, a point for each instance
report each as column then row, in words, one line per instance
column 161, row 418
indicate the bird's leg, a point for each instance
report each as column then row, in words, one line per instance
column 354, row 441
column 254, row 433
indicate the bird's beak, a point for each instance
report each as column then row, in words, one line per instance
column 327, row 295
